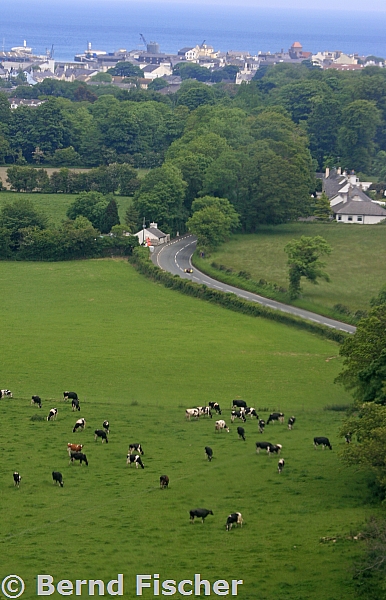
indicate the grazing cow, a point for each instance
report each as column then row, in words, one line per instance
column 322, row 441
column 136, row 459
column 5, row 394
column 75, row 404
column 209, row 453
column 235, row 518
column 200, row 513
column 241, row 432
column 263, row 446
column 58, row 478
column 251, row 412
column 52, row 414
column 74, row 448
column 280, row 465
column 261, row 425
column 70, row 395
column 276, row 416
column 238, row 414
column 215, row 406
column 106, row 426
column 78, row 456
column 274, row 449
column 80, row 424
column 204, row 410
column 16, row 479
column 102, row 434
column 136, row 448
column 36, row 400
column 239, row 404
column 221, row 425
column 291, row 422
column 164, row 481
column 347, row 437
column 192, row 412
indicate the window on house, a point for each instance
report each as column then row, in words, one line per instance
column 349, row 218
column 339, row 217
column 359, row 219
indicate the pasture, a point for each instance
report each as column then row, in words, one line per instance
column 138, row 355
column 357, row 273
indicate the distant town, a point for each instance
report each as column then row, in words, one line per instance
column 156, row 64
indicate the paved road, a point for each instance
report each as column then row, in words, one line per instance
column 176, row 256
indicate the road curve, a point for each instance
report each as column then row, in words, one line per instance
column 176, row 256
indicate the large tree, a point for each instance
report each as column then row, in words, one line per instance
column 304, row 261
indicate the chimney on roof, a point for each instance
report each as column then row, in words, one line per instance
column 353, row 178
column 327, row 172
column 339, row 171
column 154, row 225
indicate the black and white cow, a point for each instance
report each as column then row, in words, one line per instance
column 322, row 441
column 16, row 479
column 208, row 453
column 52, row 414
column 164, row 481
column 80, row 424
column 238, row 414
column 136, row 448
column 235, row 518
column 5, row 394
column 70, row 395
column 215, row 406
column 200, row 513
column 274, row 449
column 291, row 422
column 239, row 404
column 78, row 456
column 57, row 478
column 280, row 465
column 221, row 425
column 241, row 432
column 251, row 412
column 192, row 412
column 348, row 437
column 275, row 416
column 75, row 404
column 106, row 426
column 261, row 425
column 263, row 446
column 204, row 410
column 100, row 433
column 36, row 400
column 135, row 459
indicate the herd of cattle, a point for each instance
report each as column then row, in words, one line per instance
column 239, row 411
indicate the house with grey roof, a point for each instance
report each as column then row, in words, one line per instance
column 152, row 236
column 363, row 212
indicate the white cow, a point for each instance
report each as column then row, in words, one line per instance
column 221, row 425
column 192, row 412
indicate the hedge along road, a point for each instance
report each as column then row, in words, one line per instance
column 176, row 256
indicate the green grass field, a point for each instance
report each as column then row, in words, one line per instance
column 138, row 355
column 355, row 265
column 55, row 205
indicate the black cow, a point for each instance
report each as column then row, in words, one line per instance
column 75, row 404
column 80, row 424
column 251, row 412
column 239, row 404
column 106, row 426
column 215, row 406
column 235, row 518
column 322, row 441
column 209, row 453
column 263, row 446
column 276, row 416
column 200, row 513
column 241, row 432
column 100, row 433
column 36, row 400
column 238, row 414
column 58, row 478
column 347, row 437
column 135, row 459
column 136, row 448
column 70, row 395
column 78, row 456
column 261, row 425
column 280, row 465
column 52, row 414
column 291, row 422
column 274, row 449
column 5, row 394
column 16, row 479
column 164, row 481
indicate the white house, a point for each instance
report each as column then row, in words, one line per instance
column 152, row 235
